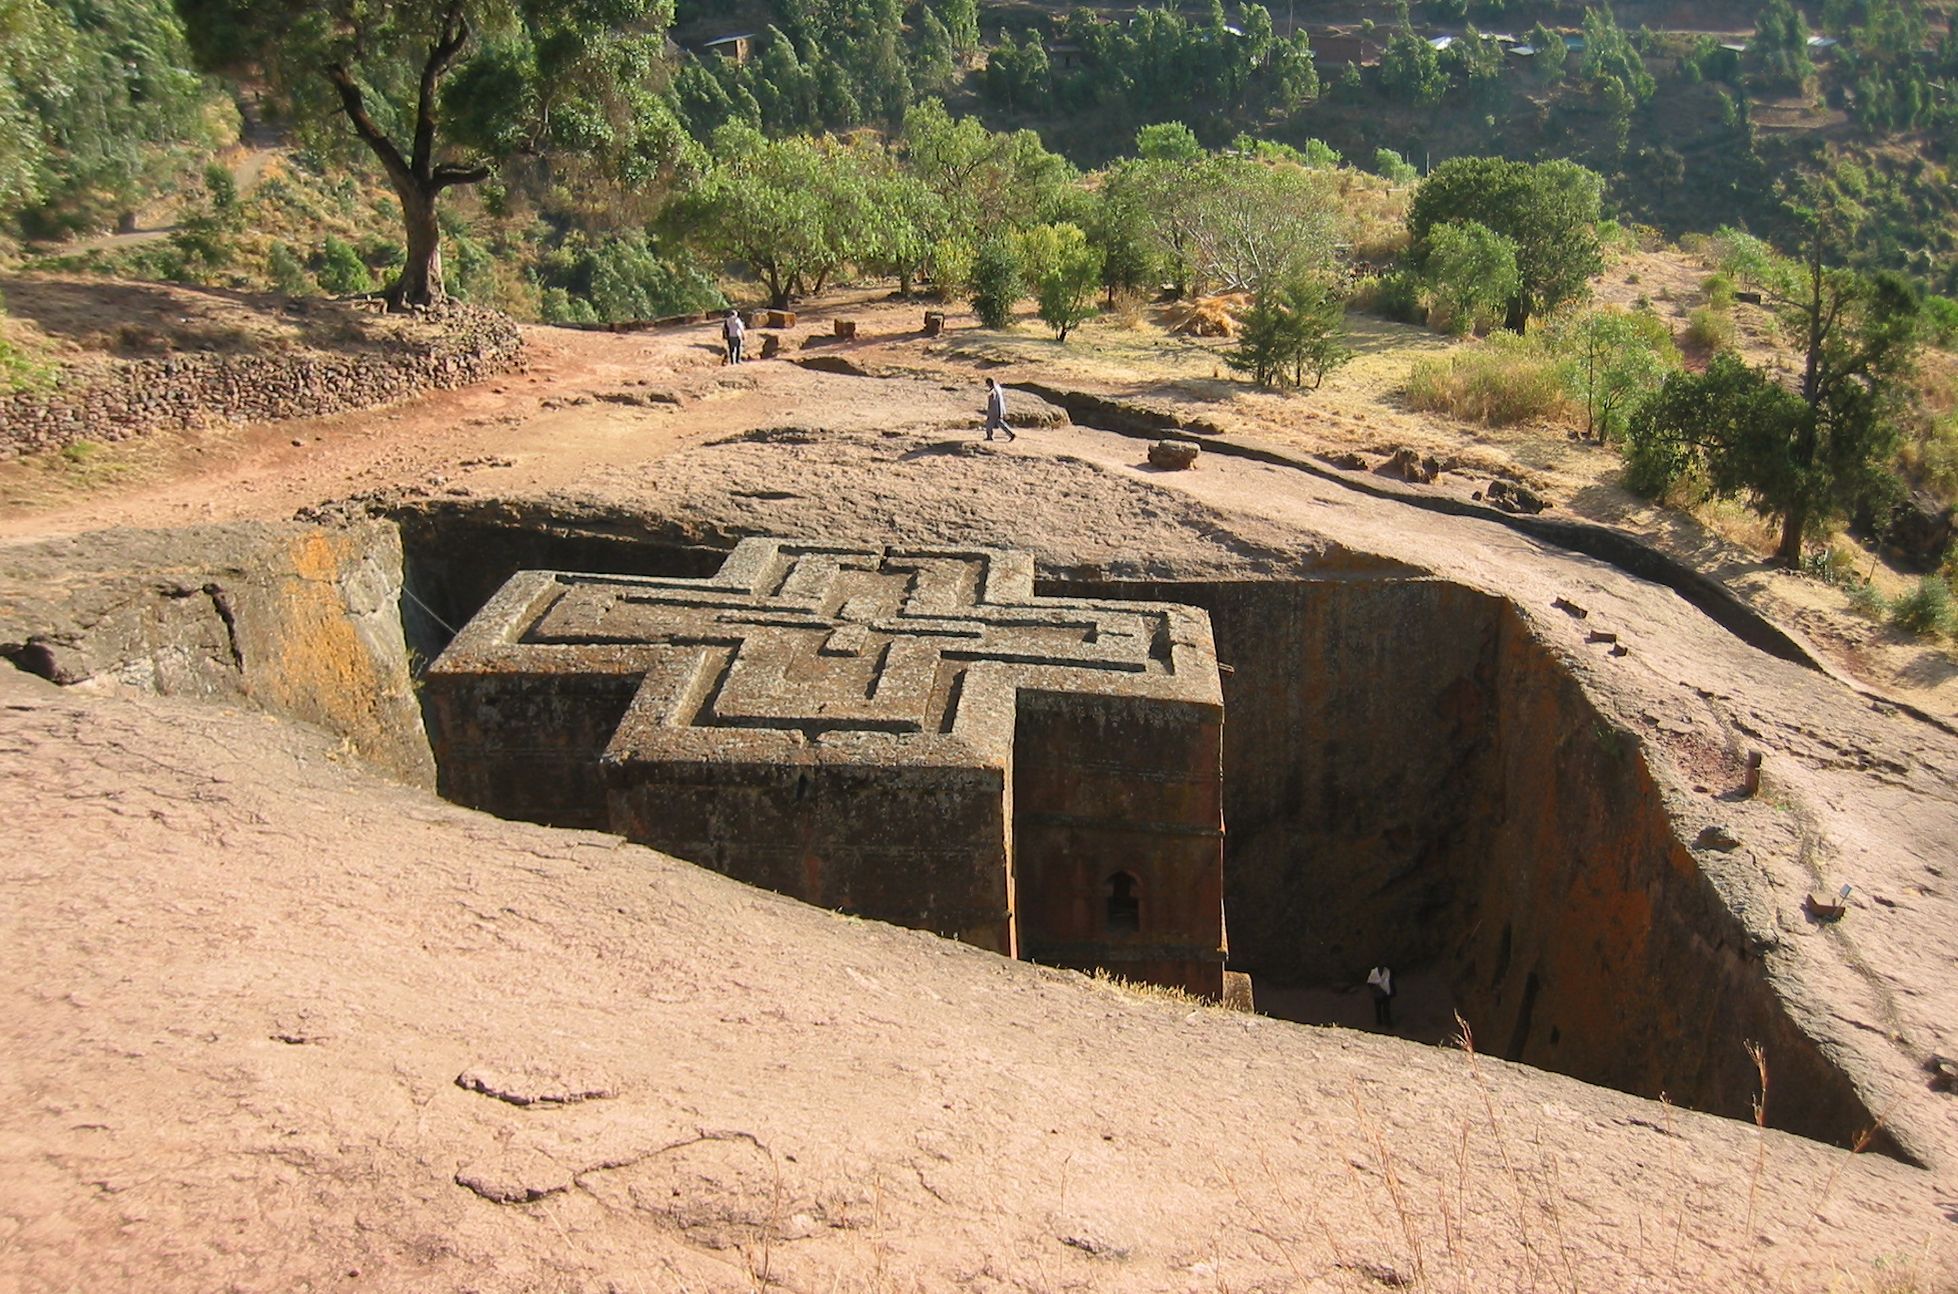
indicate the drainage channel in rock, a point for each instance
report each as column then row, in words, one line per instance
column 1409, row 778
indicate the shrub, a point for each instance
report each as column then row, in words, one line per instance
column 1319, row 155
column 1834, row 564
column 1927, row 609
column 952, row 263
column 1710, row 329
column 1394, row 168
column 1867, row 599
column 288, row 272
column 1502, row 380
column 1719, row 291
column 341, row 271
column 996, row 283
column 1941, row 320
column 558, row 306
column 1932, row 458
column 630, row 280
column 1653, row 467
column 1394, row 295
column 1127, row 308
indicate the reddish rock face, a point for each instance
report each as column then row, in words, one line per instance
column 907, row 734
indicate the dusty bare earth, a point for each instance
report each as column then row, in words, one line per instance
column 275, row 1022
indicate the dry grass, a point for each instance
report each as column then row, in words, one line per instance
column 1215, row 316
column 1151, row 992
column 1501, row 381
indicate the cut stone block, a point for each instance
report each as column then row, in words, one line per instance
column 907, row 734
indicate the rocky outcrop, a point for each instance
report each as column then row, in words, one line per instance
column 459, row 346
column 301, row 621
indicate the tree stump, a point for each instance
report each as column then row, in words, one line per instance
column 846, row 329
column 771, row 346
column 781, row 319
column 934, row 322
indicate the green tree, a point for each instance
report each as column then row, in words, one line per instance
column 1318, row 339
column 1858, row 335
column 1293, row 72
column 786, row 89
column 1168, row 141
column 1394, row 168
column 1550, row 210
column 961, row 18
column 986, row 181
column 1781, row 45
column 906, row 218
column 1612, row 360
column 437, row 90
column 1410, row 69
column 1118, row 228
column 1550, row 51
column 1294, row 330
column 935, row 68
column 1470, row 273
column 98, row 109
column 1610, row 56
column 1235, row 223
column 1804, row 455
column 23, row 53
column 793, row 210
column 1479, row 62
column 1261, row 348
column 1019, row 76
column 1065, row 271
column 997, row 285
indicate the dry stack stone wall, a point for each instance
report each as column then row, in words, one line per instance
column 458, row 347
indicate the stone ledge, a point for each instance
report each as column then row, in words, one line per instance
column 140, row 397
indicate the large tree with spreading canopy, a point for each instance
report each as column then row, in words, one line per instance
column 1549, row 210
column 440, row 90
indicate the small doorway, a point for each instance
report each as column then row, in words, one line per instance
column 1124, row 905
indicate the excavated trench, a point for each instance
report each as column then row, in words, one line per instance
column 1410, row 778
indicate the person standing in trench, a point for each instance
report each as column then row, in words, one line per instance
column 1380, row 982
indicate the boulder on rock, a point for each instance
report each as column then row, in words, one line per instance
column 1173, row 455
column 1409, row 466
column 1920, row 529
column 1511, row 497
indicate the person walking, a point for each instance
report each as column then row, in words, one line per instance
column 732, row 331
column 996, row 410
column 1380, row 981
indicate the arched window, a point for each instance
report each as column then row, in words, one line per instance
column 1124, row 904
